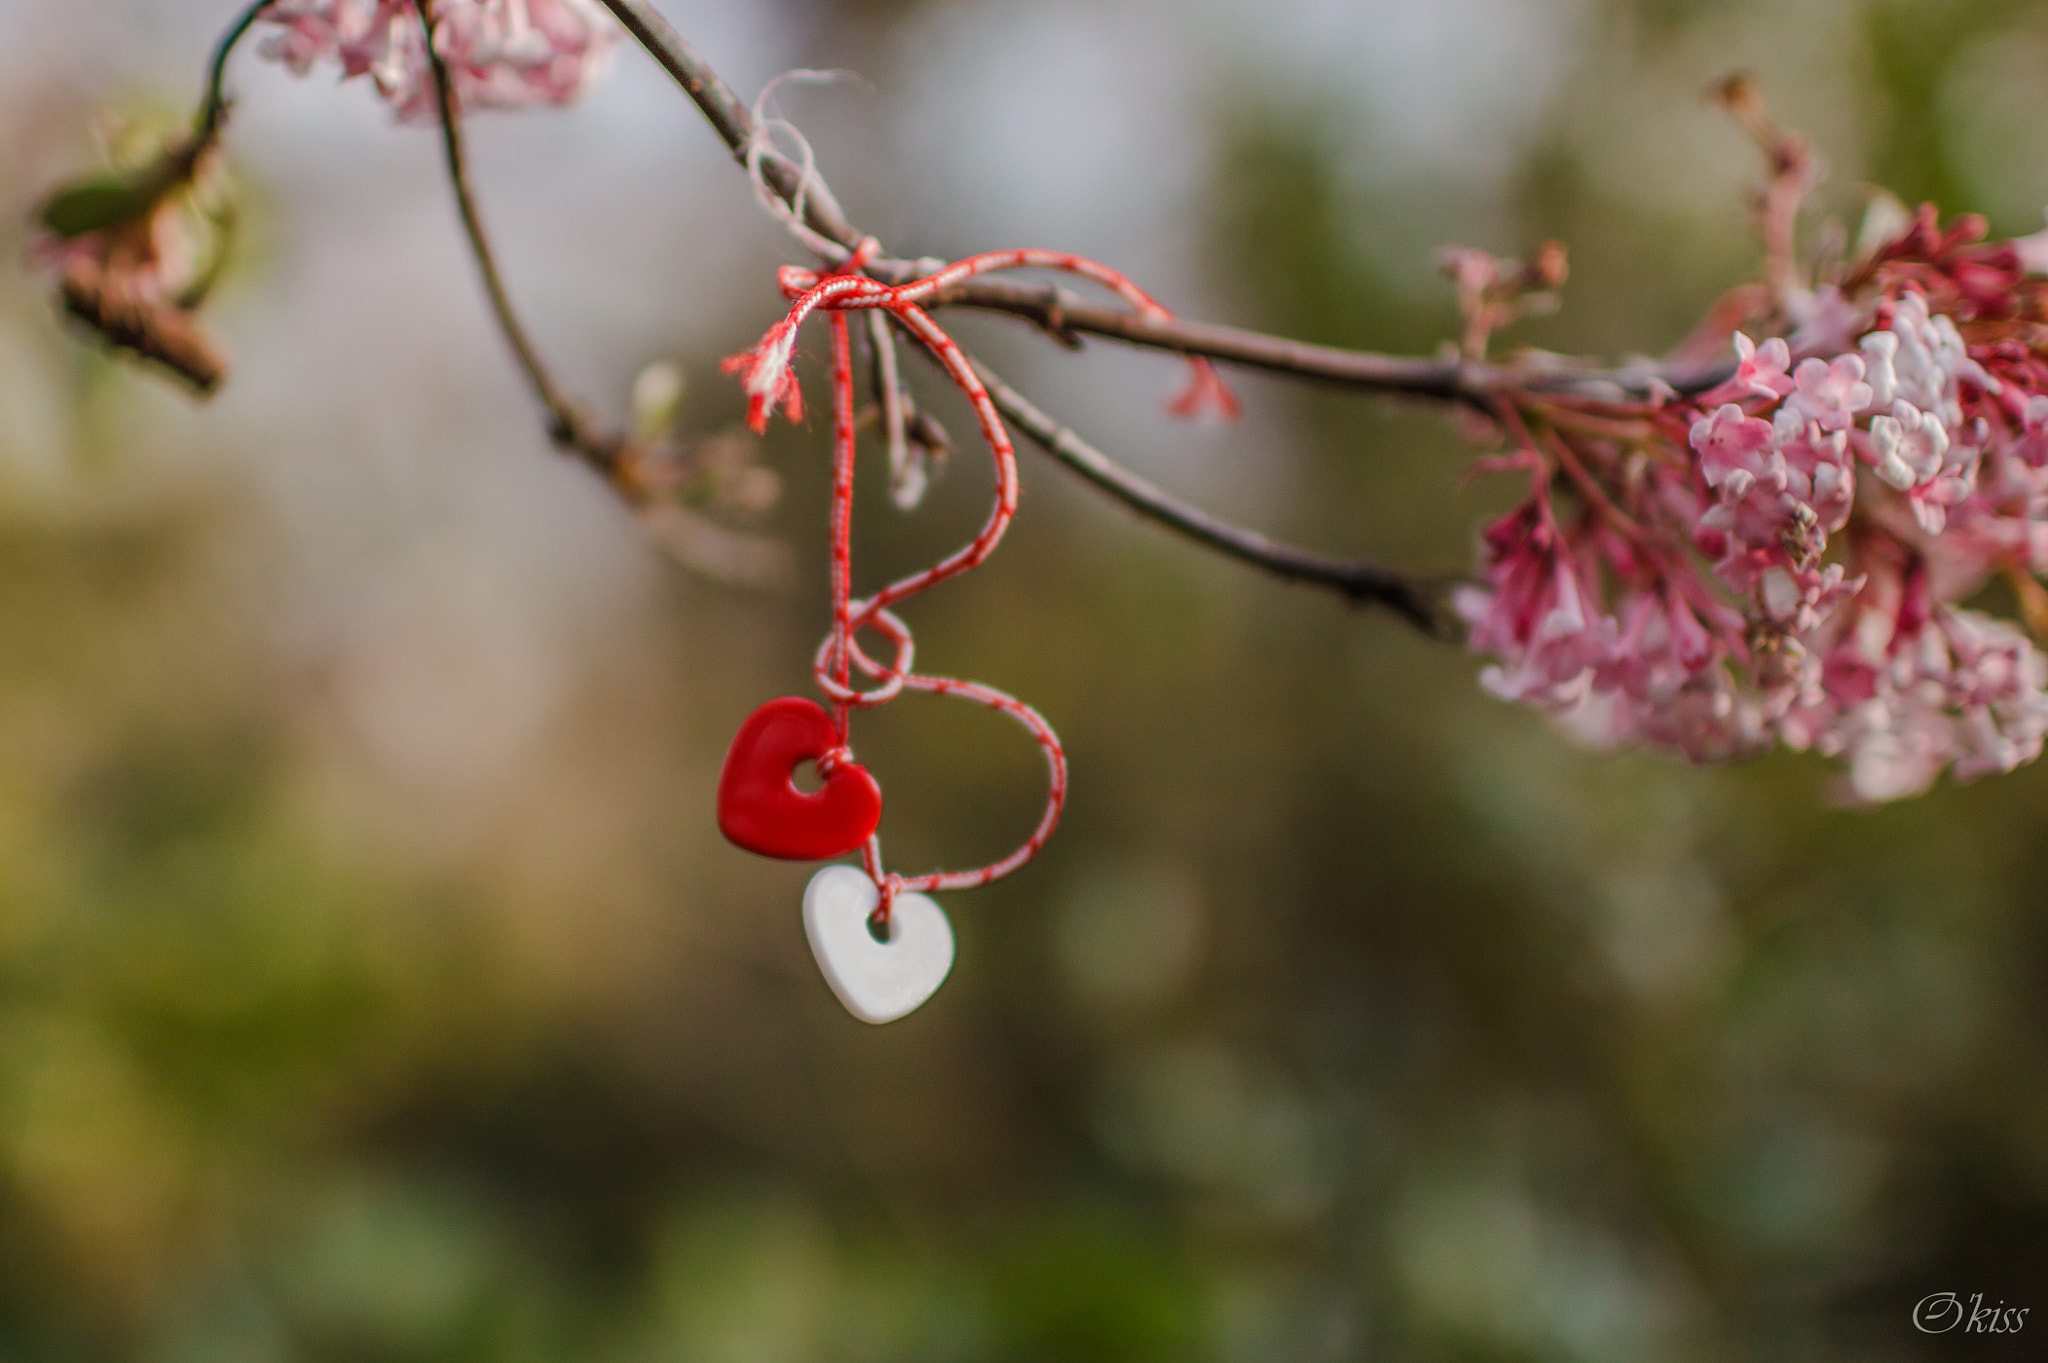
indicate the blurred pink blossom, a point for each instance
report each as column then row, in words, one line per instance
column 1726, row 581
column 504, row 54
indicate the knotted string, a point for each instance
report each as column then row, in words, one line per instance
column 770, row 383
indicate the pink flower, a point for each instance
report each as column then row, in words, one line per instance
column 1762, row 369
column 1662, row 646
column 2032, row 252
column 1930, row 502
column 1823, row 319
column 1801, row 598
column 1830, row 393
column 1899, row 747
column 1822, row 472
column 1879, row 349
column 1756, row 524
column 1535, row 614
column 504, row 54
column 1729, row 442
column 1707, row 720
column 1997, row 690
column 2032, row 446
column 1931, row 361
column 1740, row 617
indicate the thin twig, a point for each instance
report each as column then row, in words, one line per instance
column 889, row 397
column 1358, row 581
column 1063, row 316
column 1467, row 382
column 568, row 426
column 698, row 542
column 727, row 114
column 721, row 107
column 213, row 109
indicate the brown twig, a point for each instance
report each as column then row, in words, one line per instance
column 1408, row 596
column 1064, row 316
column 1791, row 175
column 723, row 109
column 1466, row 382
column 1357, row 580
column 137, row 322
column 568, row 425
column 213, row 109
column 626, row 464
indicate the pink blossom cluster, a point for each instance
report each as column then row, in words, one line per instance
column 504, row 54
column 1784, row 558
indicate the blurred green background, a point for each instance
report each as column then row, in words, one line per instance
column 374, row 984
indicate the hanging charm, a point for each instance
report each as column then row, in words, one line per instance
column 879, row 970
column 759, row 806
column 884, row 946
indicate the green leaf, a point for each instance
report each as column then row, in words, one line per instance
column 77, row 209
column 109, row 200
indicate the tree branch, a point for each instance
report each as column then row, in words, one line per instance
column 628, row 465
column 1357, row 581
column 1472, row 383
column 1063, row 315
column 724, row 111
column 213, row 109
column 568, row 425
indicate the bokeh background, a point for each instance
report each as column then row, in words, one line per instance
column 374, row 984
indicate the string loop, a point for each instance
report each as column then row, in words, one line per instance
column 769, row 380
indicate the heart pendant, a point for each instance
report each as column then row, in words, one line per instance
column 759, row 806
column 877, row 981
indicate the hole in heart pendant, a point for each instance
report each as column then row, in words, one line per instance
column 878, row 976
column 772, row 799
column 878, row 928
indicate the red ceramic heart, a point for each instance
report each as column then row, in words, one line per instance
column 759, row 806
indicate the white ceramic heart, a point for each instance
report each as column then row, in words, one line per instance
column 877, row 981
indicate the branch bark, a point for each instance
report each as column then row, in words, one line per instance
column 1358, row 581
column 1064, row 315
column 1408, row 596
column 568, row 425
column 723, row 109
column 632, row 470
column 1472, row 383
column 213, row 109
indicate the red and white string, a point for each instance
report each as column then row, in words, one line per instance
column 770, row 382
